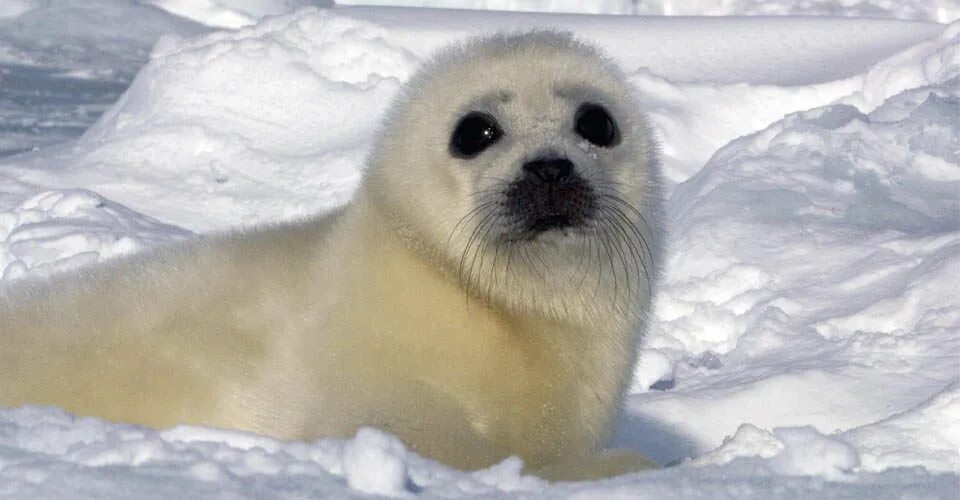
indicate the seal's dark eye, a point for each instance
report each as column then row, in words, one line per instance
column 474, row 133
column 594, row 123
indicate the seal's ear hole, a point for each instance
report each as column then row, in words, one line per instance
column 594, row 123
column 474, row 133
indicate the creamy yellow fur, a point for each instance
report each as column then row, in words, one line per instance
column 366, row 316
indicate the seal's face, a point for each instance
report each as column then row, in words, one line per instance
column 535, row 150
column 548, row 191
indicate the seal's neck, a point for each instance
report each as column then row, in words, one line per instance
column 525, row 283
column 589, row 362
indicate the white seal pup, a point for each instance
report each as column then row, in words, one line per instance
column 481, row 297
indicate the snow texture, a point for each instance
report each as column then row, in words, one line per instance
column 932, row 10
column 805, row 339
column 232, row 13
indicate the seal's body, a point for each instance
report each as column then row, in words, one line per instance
column 481, row 297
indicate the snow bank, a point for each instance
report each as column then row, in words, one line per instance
column 565, row 6
column 232, row 13
column 933, row 10
column 927, row 435
column 793, row 451
column 54, row 230
column 805, row 339
column 199, row 125
column 239, row 13
column 813, row 263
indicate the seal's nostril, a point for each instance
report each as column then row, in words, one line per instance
column 549, row 170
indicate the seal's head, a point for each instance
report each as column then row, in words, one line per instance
column 522, row 159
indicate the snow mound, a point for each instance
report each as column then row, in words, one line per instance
column 374, row 463
column 232, row 13
column 56, row 230
column 566, row 6
column 925, row 436
column 287, row 139
column 812, row 263
column 832, row 179
column 933, row 62
column 793, row 451
column 289, row 136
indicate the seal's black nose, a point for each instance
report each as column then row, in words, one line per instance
column 548, row 170
column 549, row 194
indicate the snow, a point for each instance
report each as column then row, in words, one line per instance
column 563, row 6
column 793, row 451
column 805, row 338
column 933, row 10
column 55, row 230
column 373, row 462
column 232, row 13
column 924, row 436
column 45, row 453
column 63, row 62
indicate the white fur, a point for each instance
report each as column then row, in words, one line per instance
column 385, row 313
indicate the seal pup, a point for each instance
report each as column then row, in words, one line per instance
column 481, row 297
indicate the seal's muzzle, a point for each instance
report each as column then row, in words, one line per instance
column 549, row 194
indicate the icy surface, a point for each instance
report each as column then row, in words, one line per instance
column 805, row 340
column 63, row 62
column 232, row 13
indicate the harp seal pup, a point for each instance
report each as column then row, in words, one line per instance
column 481, row 297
